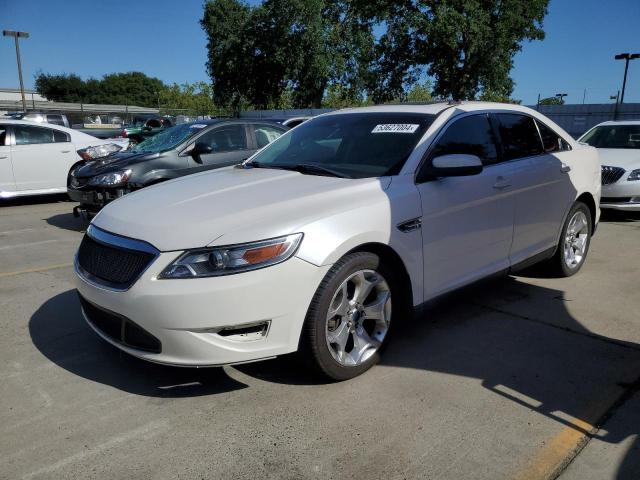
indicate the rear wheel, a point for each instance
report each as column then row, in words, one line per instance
column 349, row 317
column 574, row 243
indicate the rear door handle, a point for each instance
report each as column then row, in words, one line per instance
column 65, row 151
column 4, row 156
column 501, row 183
column 564, row 168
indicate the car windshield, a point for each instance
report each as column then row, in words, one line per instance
column 613, row 136
column 352, row 145
column 168, row 139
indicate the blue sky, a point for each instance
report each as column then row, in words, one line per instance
column 162, row 38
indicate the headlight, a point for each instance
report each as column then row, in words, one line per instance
column 635, row 175
column 216, row 261
column 99, row 151
column 112, row 179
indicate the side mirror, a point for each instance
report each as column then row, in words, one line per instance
column 456, row 165
column 200, row 148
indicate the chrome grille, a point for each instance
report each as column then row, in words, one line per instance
column 611, row 174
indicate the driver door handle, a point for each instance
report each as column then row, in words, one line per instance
column 501, row 183
column 4, row 156
column 65, row 151
column 564, row 168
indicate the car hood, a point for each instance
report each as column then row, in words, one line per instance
column 116, row 161
column 627, row 158
column 233, row 205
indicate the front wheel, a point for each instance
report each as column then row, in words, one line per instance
column 574, row 243
column 349, row 317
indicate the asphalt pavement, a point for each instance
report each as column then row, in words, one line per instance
column 519, row 377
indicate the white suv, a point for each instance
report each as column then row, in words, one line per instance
column 324, row 239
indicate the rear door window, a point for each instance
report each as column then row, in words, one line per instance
column 470, row 135
column 518, row 135
column 28, row 135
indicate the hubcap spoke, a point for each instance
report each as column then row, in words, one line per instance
column 340, row 335
column 376, row 309
column 363, row 345
column 364, row 286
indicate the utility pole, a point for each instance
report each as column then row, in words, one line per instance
column 627, row 57
column 16, row 36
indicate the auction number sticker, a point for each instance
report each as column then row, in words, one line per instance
column 198, row 125
column 395, row 128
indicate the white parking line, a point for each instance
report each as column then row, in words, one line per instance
column 41, row 242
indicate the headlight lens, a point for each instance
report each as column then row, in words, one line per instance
column 216, row 261
column 635, row 175
column 112, row 179
column 99, row 151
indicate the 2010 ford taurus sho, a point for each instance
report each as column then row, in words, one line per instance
column 326, row 238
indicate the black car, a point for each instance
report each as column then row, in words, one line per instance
column 180, row 150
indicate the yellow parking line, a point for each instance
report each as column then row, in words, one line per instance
column 562, row 448
column 35, row 270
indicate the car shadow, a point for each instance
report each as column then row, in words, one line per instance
column 67, row 221
column 34, row 200
column 60, row 333
column 519, row 340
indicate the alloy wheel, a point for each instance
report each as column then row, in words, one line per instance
column 358, row 317
column 575, row 240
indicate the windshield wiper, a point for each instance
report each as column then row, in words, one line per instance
column 300, row 167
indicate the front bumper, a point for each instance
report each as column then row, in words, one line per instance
column 186, row 315
column 94, row 200
column 622, row 195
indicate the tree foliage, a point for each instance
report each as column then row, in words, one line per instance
column 131, row 88
column 345, row 51
column 552, row 101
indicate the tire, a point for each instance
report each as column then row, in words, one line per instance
column 335, row 342
column 569, row 259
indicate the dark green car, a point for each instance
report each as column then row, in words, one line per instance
column 145, row 127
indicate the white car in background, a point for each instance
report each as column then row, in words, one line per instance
column 618, row 144
column 328, row 236
column 35, row 158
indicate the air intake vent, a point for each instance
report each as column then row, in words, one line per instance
column 611, row 174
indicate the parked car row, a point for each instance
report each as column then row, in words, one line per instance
column 327, row 238
column 35, row 158
column 177, row 151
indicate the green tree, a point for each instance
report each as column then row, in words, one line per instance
column 552, row 101
column 131, row 88
column 421, row 92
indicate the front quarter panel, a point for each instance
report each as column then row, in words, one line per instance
column 374, row 222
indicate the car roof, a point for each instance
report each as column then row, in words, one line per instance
column 434, row 108
column 30, row 122
column 213, row 121
column 620, row 122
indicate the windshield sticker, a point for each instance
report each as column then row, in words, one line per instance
column 395, row 128
column 198, row 125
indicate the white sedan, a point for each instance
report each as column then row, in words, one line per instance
column 35, row 158
column 619, row 146
column 323, row 240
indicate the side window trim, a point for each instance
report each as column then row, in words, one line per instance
column 564, row 142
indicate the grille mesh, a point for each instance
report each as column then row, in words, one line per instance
column 611, row 174
column 116, row 266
